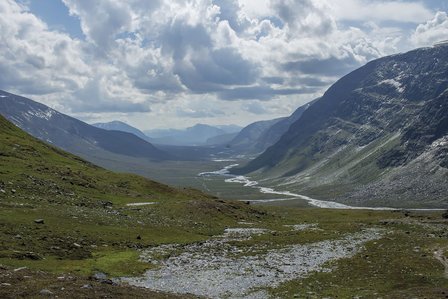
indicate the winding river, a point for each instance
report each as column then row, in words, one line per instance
column 247, row 182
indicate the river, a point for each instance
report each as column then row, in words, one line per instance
column 247, row 182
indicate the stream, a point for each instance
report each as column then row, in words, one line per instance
column 311, row 201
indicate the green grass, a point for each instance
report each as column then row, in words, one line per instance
column 89, row 228
column 113, row 263
column 399, row 265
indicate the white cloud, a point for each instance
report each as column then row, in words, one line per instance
column 434, row 30
column 305, row 17
column 398, row 11
column 35, row 60
column 167, row 59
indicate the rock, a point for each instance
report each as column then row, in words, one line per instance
column 99, row 276
column 31, row 256
column 13, row 190
column 5, row 284
column 107, row 281
column 19, row 269
column 2, row 191
column 77, row 245
column 87, row 286
column 39, row 221
column 46, row 292
column 445, row 215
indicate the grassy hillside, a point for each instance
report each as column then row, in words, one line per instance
column 87, row 225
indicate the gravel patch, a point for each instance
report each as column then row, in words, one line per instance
column 216, row 269
column 306, row 226
column 138, row 204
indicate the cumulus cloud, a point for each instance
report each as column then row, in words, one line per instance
column 434, row 30
column 192, row 59
column 306, row 17
column 35, row 60
column 398, row 11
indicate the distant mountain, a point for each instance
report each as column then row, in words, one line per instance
column 195, row 135
column 258, row 136
column 378, row 136
column 247, row 140
column 221, row 139
column 275, row 132
column 123, row 127
column 71, row 134
column 229, row 129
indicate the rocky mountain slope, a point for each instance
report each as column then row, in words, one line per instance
column 378, row 135
column 258, row 136
column 247, row 139
column 123, row 127
column 71, row 134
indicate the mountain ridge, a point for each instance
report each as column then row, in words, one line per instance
column 368, row 126
column 117, row 125
column 196, row 135
column 72, row 134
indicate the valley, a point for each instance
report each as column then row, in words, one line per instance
column 268, row 251
column 344, row 198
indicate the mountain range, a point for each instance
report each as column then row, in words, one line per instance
column 116, row 140
column 197, row 135
column 123, row 127
column 74, row 135
column 377, row 136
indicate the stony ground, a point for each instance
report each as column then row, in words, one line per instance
column 24, row 283
column 218, row 269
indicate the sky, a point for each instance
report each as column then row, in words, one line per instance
column 172, row 64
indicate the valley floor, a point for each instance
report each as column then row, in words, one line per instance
column 71, row 229
column 268, row 252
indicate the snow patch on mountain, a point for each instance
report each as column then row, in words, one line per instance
column 47, row 114
column 394, row 83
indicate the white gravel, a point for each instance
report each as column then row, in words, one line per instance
column 216, row 269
